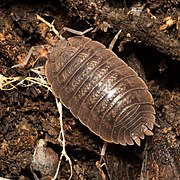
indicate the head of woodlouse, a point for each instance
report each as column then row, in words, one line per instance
column 52, row 68
column 101, row 90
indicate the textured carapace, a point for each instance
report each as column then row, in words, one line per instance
column 102, row 91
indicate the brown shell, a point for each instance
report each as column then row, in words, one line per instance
column 102, row 91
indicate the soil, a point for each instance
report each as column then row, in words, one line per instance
column 29, row 125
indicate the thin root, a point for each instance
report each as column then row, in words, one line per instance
column 51, row 26
column 6, row 83
column 62, row 141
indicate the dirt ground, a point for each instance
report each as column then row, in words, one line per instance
column 149, row 43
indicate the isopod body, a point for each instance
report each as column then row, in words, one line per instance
column 101, row 90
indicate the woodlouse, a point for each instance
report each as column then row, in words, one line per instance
column 101, row 90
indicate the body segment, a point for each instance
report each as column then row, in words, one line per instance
column 102, row 91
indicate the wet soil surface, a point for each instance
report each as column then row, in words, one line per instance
column 29, row 125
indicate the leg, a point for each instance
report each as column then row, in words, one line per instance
column 98, row 163
column 51, row 26
column 80, row 33
column 103, row 151
column 41, row 50
column 114, row 40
